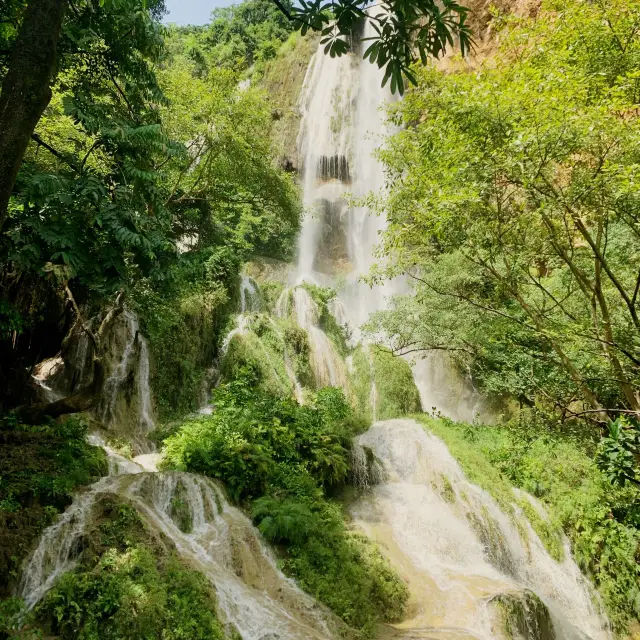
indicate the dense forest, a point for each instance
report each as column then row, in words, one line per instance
column 197, row 439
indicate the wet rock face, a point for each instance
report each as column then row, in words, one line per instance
column 125, row 406
column 524, row 616
column 496, row 547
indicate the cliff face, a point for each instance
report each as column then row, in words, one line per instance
column 283, row 79
column 284, row 75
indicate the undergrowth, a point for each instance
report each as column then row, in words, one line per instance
column 600, row 521
column 282, row 461
column 40, row 467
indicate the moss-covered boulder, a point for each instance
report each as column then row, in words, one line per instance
column 129, row 583
column 521, row 615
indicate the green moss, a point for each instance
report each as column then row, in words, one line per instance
column 182, row 326
column 282, row 78
column 447, row 490
column 396, row 389
column 271, row 292
column 41, row 467
column 396, row 392
column 524, row 616
column 360, row 382
column 299, row 352
column 351, row 576
column 322, row 296
column 549, row 532
column 263, row 355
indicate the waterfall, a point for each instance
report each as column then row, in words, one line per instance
column 458, row 550
column 120, row 372
column 131, row 362
column 212, row 536
column 461, row 554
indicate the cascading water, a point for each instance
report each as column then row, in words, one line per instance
column 208, row 533
column 133, row 363
column 460, row 553
column 462, row 556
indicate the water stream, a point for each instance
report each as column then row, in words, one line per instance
column 208, row 533
column 457, row 549
column 460, row 553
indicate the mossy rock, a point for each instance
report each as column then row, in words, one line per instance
column 41, row 468
column 494, row 542
column 524, row 616
column 128, row 583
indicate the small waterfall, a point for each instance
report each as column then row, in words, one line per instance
column 242, row 324
column 118, row 405
column 328, row 367
column 60, row 545
column 455, row 546
column 249, row 303
column 119, row 374
column 145, row 421
column 212, row 536
column 249, row 294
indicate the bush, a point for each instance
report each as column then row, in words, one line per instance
column 285, row 457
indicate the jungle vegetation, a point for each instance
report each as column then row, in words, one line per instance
column 136, row 166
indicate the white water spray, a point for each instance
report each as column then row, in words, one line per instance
column 455, row 546
column 212, row 536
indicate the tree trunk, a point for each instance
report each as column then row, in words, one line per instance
column 26, row 89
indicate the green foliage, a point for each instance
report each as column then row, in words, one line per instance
column 618, row 453
column 41, row 467
column 348, row 574
column 284, row 521
column 285, row 457
column 146, row 176
column 401, row 32
column 513, row 207
column 128, row 586
column 396, row 394
column 252, row 432
column 395, row 388
column 262, row 355
column 600, row 521
column 89, row 173
column 237, row 37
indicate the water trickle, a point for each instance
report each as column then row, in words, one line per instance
column 328, row 367
column 455, row 546
column 146, row 421
column 118, row 376
column 242, row 325
column 249, row 294
column 130, row 372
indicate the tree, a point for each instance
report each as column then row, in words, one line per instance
column 405, row 31
column 514, row 210
column 26, row 88
column 402, row 28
